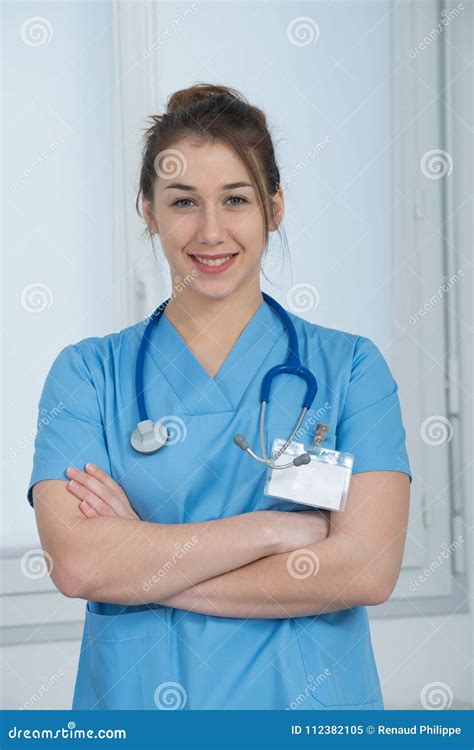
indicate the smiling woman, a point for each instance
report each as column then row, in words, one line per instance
column 189, row 570
column 210, row 224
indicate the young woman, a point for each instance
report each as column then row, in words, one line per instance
column 196, row 598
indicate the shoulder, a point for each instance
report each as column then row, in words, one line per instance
column 339, row 344
column 350, row 362
column 97, row 359
column 96, row 350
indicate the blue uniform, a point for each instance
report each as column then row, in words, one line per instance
column 156, row 657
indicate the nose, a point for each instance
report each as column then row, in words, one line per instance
column 210, row 230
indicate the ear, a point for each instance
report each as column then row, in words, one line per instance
column 278, row 207
column 149, row 216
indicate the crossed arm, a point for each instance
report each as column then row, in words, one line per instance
column 357, row 564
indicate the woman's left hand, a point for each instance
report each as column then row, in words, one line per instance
column 99, row 494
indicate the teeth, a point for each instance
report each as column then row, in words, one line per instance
column 214, row 262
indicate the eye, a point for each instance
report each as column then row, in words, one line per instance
column 239, row 198
column 180, row 201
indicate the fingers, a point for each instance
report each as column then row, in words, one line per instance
column 87, row 509
column 86, row 496
column 100, row 491
column 97, row 495
column 102, row 476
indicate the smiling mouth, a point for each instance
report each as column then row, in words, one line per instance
column 213, row 260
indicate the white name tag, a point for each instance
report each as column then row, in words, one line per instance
column 323, row 483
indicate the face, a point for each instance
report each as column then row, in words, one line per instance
column 209, row 220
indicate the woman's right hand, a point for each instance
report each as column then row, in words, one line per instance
column 296, row 529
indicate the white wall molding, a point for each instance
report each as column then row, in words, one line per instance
column 134, row 47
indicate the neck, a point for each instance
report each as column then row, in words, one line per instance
column 224, row 318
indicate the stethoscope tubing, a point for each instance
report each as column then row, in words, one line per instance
column 291, row 366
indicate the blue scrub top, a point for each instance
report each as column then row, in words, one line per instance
column 156, row 657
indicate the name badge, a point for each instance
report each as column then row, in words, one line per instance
column 322, row 483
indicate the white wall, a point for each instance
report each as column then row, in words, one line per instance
column 59, row 220
column 439, row 648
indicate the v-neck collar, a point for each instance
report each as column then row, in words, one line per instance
column 194, row 387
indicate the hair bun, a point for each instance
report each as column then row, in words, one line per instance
column 184, row 98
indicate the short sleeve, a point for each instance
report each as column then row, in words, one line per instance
column 370, row 425
column 69, row 430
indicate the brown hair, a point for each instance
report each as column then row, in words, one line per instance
column 208, row 112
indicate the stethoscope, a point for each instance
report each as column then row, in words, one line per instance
column 150, row 436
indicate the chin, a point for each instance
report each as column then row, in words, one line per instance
column 216, row 291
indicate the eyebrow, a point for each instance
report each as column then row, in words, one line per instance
column 230, row 186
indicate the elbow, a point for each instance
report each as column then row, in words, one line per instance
column 378, row 591
column 375, row 596
column 376, row 579
column 73, row 581
column 68, row 583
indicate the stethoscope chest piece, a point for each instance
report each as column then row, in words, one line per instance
column 149, row 436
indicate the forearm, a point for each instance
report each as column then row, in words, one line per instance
column 126, row 561
column 281, row 586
